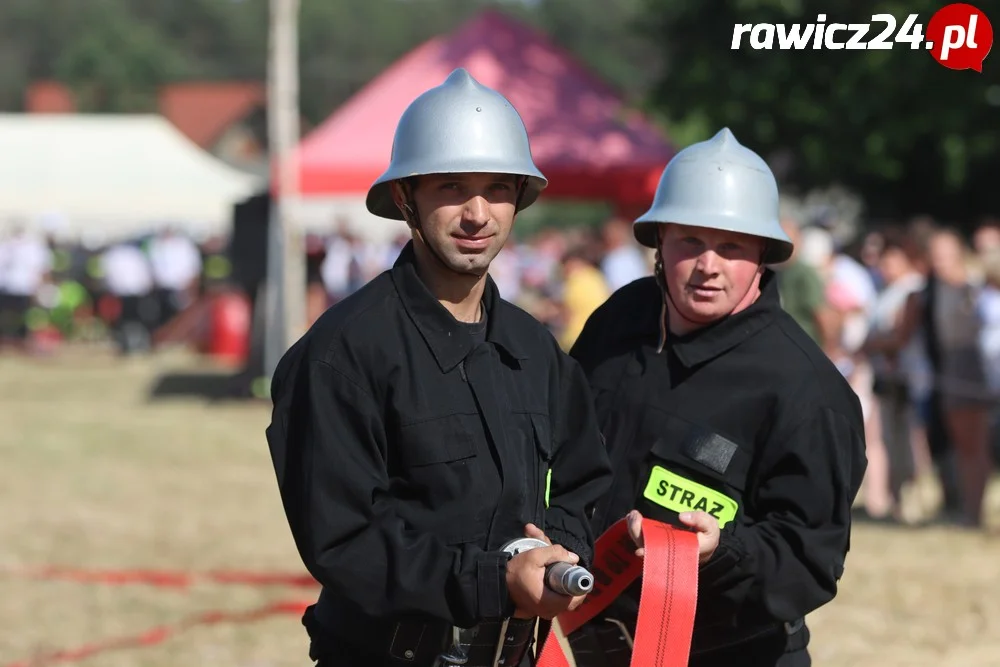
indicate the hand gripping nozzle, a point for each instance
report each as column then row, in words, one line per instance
column 562, row 578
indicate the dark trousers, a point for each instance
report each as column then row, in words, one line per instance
column 896, row 414
column 14, row 316
column 365, row 660
column 347, row 661
column 169, row 302
column 408, row 643
column 605, row 645
column 939, row 443
column 132, row 328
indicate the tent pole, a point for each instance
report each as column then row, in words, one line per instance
column 287, row 273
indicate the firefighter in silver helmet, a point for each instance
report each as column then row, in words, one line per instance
column 460, row 128
column 722, row 417
column 423, row 423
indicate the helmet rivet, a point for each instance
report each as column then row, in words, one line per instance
column 479, row 108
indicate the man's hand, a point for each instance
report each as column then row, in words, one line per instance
column 526, row 583
column 705, row 526
column 635, row 530
column 531, row 530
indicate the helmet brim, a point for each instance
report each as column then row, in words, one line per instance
column 778, row 249
column 380, row 202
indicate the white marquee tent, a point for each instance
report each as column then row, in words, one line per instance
column 105, row 177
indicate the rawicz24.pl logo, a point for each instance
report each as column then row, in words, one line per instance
column 959, row 36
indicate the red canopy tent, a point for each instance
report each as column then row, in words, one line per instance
column 582, row 137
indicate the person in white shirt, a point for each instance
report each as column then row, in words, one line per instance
column 336, row 269
column 623, row 261
column 989, row 312
column 176, row 266
column 25, row 262
column 128, row 276
column 902, row 381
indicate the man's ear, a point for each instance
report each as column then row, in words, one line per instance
column 400, row 199
column 398, row 196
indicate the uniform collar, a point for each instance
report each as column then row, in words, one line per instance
column 444, row 335
column 709, row 342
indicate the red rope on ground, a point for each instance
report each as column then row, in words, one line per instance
column 166, row 578
column 161, row 633
column 666, row 607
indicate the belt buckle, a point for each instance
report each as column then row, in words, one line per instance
column 794, row 626
column 455, row 655
column 507, row 652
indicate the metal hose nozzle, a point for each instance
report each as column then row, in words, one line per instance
column 562, row 578
column 568, row 579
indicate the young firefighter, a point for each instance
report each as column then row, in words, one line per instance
column 416, row 424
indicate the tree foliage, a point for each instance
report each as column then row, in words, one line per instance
column 911, row 135
column 115, row 52
column 908, row 134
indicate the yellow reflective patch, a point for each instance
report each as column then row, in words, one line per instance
column 678, row 494
column 548, row 487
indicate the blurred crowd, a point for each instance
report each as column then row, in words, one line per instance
column 52, row 291
column 558, row 275
column 909, row 313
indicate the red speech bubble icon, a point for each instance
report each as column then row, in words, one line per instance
column 959, row 36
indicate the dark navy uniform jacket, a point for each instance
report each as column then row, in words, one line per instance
column 408, row 452
column 748, row 420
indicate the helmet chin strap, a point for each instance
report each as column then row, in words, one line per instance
column 413, row 221
column 668, row 298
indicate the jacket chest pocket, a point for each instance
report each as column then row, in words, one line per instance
column 446, row 439
column 438, row 465
column 692, row 468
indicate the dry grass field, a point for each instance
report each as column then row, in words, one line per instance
column 94, row 474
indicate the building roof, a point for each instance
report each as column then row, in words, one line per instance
column 203, row 110
column 113, row 175
column 582, row 137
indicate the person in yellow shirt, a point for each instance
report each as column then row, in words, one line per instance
column 584, row 290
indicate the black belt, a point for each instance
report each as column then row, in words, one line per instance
column 608, row 642
column 490, row 644
column 341, row 637
column 602, row 643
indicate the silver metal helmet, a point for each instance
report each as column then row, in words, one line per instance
column 460, row 126
column 718, row 184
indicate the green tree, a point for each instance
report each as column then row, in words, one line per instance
column 31, row 34
column 220, row 39
column 908, row 134
column 344, row 45
column 117, row 64
column 607, row 38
